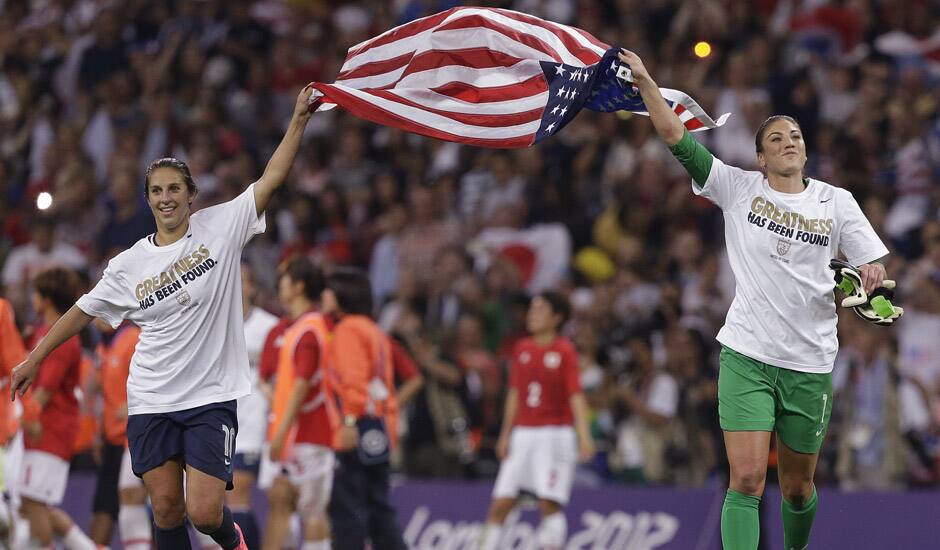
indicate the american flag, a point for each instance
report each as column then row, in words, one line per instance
column 488, row 77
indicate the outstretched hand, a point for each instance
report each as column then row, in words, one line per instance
column 21, row 378
column 639, row 71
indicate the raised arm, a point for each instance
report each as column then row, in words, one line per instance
column 283, row 158
column 693, row 156
column 67, row 326
column 665, row 120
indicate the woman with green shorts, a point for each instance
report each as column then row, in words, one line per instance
column 779, row 339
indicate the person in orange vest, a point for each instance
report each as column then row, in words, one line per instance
column 300, row 454
column 363, row 385
column 12, row 351
column 87, row 417
column 119, row 494
column 50, row 420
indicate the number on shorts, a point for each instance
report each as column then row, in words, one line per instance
column 229, row 443
column 534, row 395
column 822, row 416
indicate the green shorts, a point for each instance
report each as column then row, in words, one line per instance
column 755, row 396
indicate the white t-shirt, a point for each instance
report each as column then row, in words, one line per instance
column 186, row 298
column 779, row 246
column 253, row 408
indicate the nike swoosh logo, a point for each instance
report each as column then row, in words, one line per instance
column 819, row 432
column 827, row 200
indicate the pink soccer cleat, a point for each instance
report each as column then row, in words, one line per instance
column 241, row 539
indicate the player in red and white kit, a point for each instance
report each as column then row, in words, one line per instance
column 545, row 426
column 50, row 420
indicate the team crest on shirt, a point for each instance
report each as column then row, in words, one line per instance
column 552, row 360
column 783, row 246
column 524, row 357
column 183, row 298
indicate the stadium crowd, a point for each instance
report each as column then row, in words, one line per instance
column 457, row 238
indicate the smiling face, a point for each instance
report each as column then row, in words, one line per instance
column 169, row 198
column 782, row 149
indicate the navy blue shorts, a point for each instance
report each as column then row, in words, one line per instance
column 203, row 436
column 247, row 462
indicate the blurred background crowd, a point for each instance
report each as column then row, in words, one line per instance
column 456, row 238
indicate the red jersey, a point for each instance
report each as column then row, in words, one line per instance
column 59, row 375
column 545, row 379
column 317, row 416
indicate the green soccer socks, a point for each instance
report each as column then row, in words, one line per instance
column 797, row 523
column 740, row 522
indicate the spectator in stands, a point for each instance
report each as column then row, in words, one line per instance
column 43, row 252
column 872, row 452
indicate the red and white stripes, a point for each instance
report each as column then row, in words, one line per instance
column 470, row 75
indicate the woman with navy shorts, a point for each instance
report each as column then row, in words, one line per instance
column 182, row 287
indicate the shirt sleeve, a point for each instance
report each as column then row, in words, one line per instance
column 306, row 357
column 711, row 178
column 238, row 216
column 857, row 238
column 571, row 372
column 110, row 299
column 694, row 157
column 270, row 352
column 404, row 365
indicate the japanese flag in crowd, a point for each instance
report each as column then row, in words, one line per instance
column 488, row 77
column 541, row 254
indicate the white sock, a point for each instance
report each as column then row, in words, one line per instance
column 205, row 541
column 492, row 532
column 135, row 527
column 295, row 531
column 323, row 544
column 552, row 531
column 76, row 539
column 21, row 538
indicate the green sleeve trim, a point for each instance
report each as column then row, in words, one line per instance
column 694, row 157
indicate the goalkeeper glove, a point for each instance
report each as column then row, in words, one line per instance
column 876, row 308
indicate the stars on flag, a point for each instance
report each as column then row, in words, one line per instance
column 569, row 83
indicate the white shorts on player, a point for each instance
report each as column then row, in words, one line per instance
column 310, row 471
column 541, row 461
column 12, row 469
column 44, row 477
column 268, row 469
